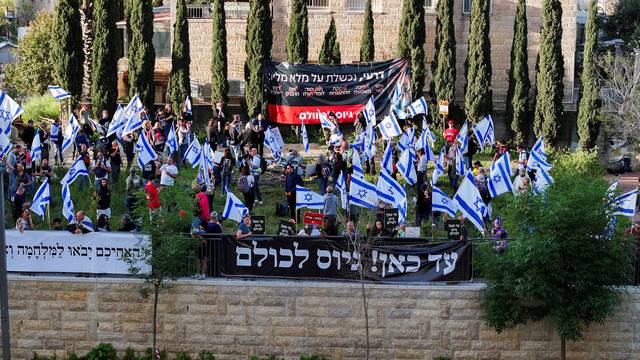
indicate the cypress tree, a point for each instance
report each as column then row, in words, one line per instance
column 519, row 83
column 258, row 49
column 330, row 51
column 478, row 95
column 405, row 37
column 367, row 45
column 411, row 39
column 67, row 50
column 142, row 55
column 298, row 36
column 444, row 78
column 180, row 57
column 104, row 74
column 219, row 83
column 548, row 111
column 588, row 111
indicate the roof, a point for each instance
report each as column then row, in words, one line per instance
column 160, row 14
column 7, row 43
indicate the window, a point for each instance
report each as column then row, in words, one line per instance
column 430, row 4
column 466, row 7
column 318, row 3
column 355, row 5
column 162, row 43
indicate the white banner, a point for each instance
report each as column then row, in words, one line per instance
column 64, row 252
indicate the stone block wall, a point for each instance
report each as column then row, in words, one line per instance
column 236, row 319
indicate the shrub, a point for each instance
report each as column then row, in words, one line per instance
column 182, row 356
column 40, row 106
column 206, row 355
column 103, row 352
column 578, row 163
column 129, row 354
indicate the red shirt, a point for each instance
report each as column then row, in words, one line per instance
column 450, row 134
column 203, row 202
column 152, row 195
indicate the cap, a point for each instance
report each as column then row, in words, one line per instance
column 450, row 122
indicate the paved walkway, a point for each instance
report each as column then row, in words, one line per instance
column 628, row 181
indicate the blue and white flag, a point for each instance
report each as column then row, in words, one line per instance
column 370, row 142
column 543, row 180
column 309, row 199
column 58, row 93
column 363, row 193
column 172, row 140
column 400, row 100
column 612, row 188
column 67, row 203
column 438, row 169
column 234, row 209
column 86, row 223
column 463, row 138
column 369, row 112
column 537, row 160
column 406, row 167
column 441, row 202
column 358, row 171
column 187, row 106
column 203, row 177
column 341, row 185
column 484, row 131
column 470, row 202
column 41, row 199
column 9, row 111
column 461, row 166
column 423, row 143
column 430, row 135
column 324, row 121
column 77, row 169
column 36, row 147
column 145, row 151
column 389, row 127
column 418, row 107
column 193, row 153
column 625, row 204
column 305, row 137
column 133, row 120
column 500, row 177
column 116, row 126
column 539, row 148
column 407, row 139
column 389, row 190
column 70, row 133
column 387, row 157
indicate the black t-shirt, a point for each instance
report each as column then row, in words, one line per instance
column 115, row 158
column 18, row 201
column 104, row 198
column 149, row 171
column 213, row 228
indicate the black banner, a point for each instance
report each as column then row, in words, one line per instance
column 316, row 258
column 297, row 92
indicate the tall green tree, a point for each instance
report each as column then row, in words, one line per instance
column 444, row 78
column 104, row 74
column 258, row 49
column 180, row 57
column 549, row 87
column 298, row 36
column 142, row 55
column 219, row 83
column 67, row 48
column 411, row 39
column 367, row 44
column 588, row 110
column 330, row 51
column 478, row 99
column 519, row 83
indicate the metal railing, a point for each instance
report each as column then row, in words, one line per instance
column 318, row 3
column 232, row 9
column 355, row 5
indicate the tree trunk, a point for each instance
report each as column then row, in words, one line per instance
column 563, row 355
column 156, row 291
column 87, row 46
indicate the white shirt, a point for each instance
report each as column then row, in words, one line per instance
column 422, row 164
column 255, row 165
column 167, row 170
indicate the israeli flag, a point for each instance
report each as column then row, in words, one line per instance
column 406, row 139
column 70, row 133
column 172, row 140
column 87, row 223
column 389, row 190
column 116, row 126
column 36, row 148
column 389, row 126
column 67, row 203
column 500, row 177
column 341, row 185
column 614, row 185
column 193, row 153
column 187, row 106
column 358, row 143
column 145, row 151
column 538, row 160
column 363, row 194
column 463, row 138
column 5, row 143
column 370, row 142
column 539, row 148
column 387, row 157
column 77, row 169
column 406, row 167
column 305, row 137
column 626, row 203
column 399, row 100
column 133, row 120
column 438, row 170
column 369, row 112
column 543, row 180
column 58, row 93
column 9, row 109
column 470, row 202
column 41, row 199
column 441, row 202
column 309, row 199
column 461, row 167
column 418, row 107
column 484, row 131
column 423, row 143
column 430, row 135
column 209, row 154
column 358, row 171
column 234, row 209
column 203, row 176
column 324, row 121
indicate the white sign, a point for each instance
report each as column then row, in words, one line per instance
column 412, row 232
column 278, row 137
column 64, row 252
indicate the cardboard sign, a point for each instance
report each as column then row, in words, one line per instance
column 453, row 229
column 217, row 157
column 412, row 232
column 277, row 137
column 390, row 218
column 443, row 107
column 313, row 218
column 259, row 222
column 286, row 228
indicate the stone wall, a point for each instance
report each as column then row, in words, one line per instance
column 236, row 319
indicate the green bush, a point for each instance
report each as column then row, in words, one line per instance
column 314, row 357
column 272, row 357
column 103, row 352
column 578, row 163
column 182, row 356
column 40, row 106
column 129, row 354
column 206, row 355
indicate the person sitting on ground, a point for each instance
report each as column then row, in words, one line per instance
column 81, row 224
column 519, row 185
column 244, row 229
column 24, row 221
column 103, row 223
column 127, row 224
column 213, row 226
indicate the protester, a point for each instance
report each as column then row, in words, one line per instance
column 57, row 139
column 213, row 226
column 24, row 221
column 133, row 184
column 450, row 159
column 116, row 162
column 331, row 204
column 83, row 153
column 43, row 171
column 228, row 163
column 244, row 229
column 212, row 134
column 127, row 224
column 423, row 205
column 500, row 236
column 450, row 133
column 378, row 230
column 309, row 230
column 153, row 200
column 291, row 180
column 103, row 195
column 169, row 173
column 103, row 223
column 19, row 200
column 101, row 168
column 184, row 137
column 258, row 127
column 322, row 172
column 421, row 169
column 246, row 183
column 128, row 147
column 80, row 225
column 351, row 231
column 28, row 133
column 57, row 224
column 522, row 157
column 256, row 171
column 149, row 170
column 502, row 148
column 339, row 168
column 22, row 178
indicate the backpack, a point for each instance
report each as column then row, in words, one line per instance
column 263, row 164
column 243, row 184
column 282, row 208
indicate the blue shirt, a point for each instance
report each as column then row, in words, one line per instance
column 244, row 228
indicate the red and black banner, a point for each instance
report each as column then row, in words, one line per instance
column 296, row 92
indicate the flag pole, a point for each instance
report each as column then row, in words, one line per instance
column 49, row 215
